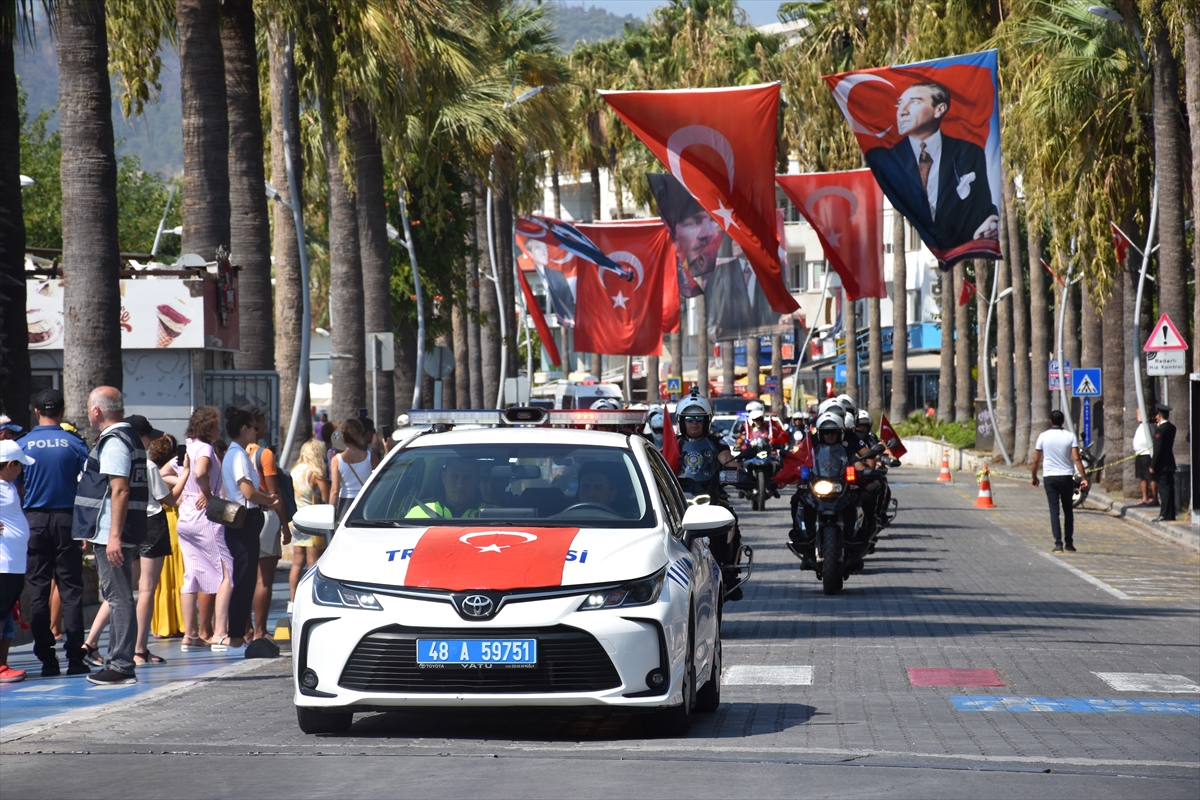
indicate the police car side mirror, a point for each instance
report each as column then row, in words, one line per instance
column 705, row 520
column 315, row 520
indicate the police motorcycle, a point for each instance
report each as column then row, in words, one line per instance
column 887, row 507
column 830, row 535
column 759, row 461
column 702, row 457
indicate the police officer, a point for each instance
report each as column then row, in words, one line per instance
column 53, row 554
column 460, row 493
column 1162, row 463
column 702, row 456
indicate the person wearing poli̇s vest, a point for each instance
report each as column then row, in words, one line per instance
column 53, row 554
column 110, row 512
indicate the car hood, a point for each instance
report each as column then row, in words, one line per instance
column 495, row 558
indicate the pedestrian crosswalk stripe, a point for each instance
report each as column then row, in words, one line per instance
column 1148, row 682
column 1076, row 705
column 741, row 675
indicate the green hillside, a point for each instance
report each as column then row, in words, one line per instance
column 576, row 24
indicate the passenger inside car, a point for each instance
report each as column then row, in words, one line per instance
column 460, row 496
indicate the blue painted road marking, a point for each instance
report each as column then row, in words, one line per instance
column 1076, row 705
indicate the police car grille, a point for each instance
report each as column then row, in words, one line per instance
column 568, row 660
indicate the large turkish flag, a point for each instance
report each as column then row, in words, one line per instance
column 720, row 144
column 616, row 317
column 846, row 211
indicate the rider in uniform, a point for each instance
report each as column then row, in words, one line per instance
column 702, row 456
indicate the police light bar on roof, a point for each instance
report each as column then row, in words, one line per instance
column 443, row 416
column 589, row 417
column 519, row 415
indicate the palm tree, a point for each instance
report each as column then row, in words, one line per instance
column 1039, row 330
column 850, row 318
column 250, row 229
column 14, row 339
column 1002, row 315
column 1020, row 323
column 1113, row 364
column 874, row 357
column 899, row 404
column 963, row 406
column 206, row 211
column 91, row 260
column 945, row 405
column 1191, row 42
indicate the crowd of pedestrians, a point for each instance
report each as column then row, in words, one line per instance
column 230, row 506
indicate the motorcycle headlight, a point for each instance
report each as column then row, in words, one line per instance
column 328, row 592
column 823, row 488
column 763, row 454
column 635, row 593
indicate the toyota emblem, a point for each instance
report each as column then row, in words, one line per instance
column 477, row 605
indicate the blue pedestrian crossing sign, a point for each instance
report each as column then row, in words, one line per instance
column 1085, row 382
column 674, row 385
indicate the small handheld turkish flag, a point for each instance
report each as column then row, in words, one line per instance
column 846, row 211
column 968, row 291
column 670, row 444
column 720, row 144
column 789, row 470
column 887, row 433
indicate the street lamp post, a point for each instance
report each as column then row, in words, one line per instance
column 986, row 359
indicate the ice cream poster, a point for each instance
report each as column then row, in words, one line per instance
column 160, row 313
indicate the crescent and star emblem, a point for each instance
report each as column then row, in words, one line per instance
column 702, row 135
column 832, row 191
column 525, row 538
column 841, row 93
column 629, row 259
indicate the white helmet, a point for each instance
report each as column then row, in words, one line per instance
column 606, row 404
column 829, row 420
column 755, row 405
column 655, row 418
column 863, row 418
column 847, row 403
column 830, row 405
column 693, row 405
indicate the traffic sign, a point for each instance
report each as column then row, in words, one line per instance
column 1054, row 377
column 674, row 385
column 1165, row 362
column 1087, row 422
column 439, row 362
column 771, row 385
column 1086, row 382
column 1165, row 336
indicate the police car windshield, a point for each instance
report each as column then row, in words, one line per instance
column 550, row 485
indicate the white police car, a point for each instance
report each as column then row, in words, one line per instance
column 518, row 565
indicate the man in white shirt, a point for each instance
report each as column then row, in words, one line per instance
column 1059, row 452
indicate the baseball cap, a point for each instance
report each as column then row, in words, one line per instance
column 49, row 400
column 142, row 427
column 11, row 451
column 6, row 424
column 253, row 410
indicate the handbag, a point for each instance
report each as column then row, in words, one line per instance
column 223, row 512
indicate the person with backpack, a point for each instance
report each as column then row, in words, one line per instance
column 277, row 483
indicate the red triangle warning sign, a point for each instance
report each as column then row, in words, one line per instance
column 1165, row 336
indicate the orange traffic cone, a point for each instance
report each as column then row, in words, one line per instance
column 985, row 491
column 944, row 475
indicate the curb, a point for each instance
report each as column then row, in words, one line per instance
column 1181, row 533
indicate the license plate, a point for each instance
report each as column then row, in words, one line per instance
column 729, row 476
column 477, row 651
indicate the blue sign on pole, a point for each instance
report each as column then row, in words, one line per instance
column 1087, row 422
column 674, row 385
column 1056, row 375
column 839, row 373
column 771, row 385
column 1086, row 382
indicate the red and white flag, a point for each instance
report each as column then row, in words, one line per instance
column 670, row 443
column 968, row 291
column 887, row 433
column 1121, row 242
column 619, row 317
column 846, row 211
column 789, row 470
column 1050, row 269
column 720, row 144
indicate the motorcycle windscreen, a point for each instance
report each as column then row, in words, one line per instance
column 831, row 461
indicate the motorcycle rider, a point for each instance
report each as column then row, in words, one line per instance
column 654, row 418
column 801, row 423
column 830, row 432
column 702, row 456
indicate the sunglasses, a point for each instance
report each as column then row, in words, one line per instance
column 690, row 418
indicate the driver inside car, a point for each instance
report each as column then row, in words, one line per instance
column 460, row 493
column 596, row 486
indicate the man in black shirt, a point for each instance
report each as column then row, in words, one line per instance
column 1162, row 463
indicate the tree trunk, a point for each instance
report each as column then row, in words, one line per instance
column 206, row 211
column 702, row 345
column 594, row 174
column 899, row 404
column 1003, row 323
column 405, row 377
column 556, row 191
column 373, row 242
column 289, row 290
column 653, row 390
column 1133, row 361
column 346, row 311
column 850, row 320
column 728, row 367
column 474, row 259
column 489, row 309
column 753, row 366
column 675, row 345
column 1072, row 347
column 1039, row 336
column 1020, row 325
column 945, row 404
column 596, row 367
column 1191, row 45
column 449, row 395
column 504, row 259
column 874, row 357
column 249, row 226
column 1113, row 363
column 91, row 261
column 462, row 357
column 1172, row 252
column 963, row 407
column 1091, row 352
column 14, row 336
column 777, row 373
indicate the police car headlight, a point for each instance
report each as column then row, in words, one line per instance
column 328, row 592
column 636, row 593
column 824, row 488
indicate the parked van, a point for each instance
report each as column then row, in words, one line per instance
column 578, row 394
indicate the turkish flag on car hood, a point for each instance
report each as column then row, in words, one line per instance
column 618, row 317
column 720, row 144
column 846, row 211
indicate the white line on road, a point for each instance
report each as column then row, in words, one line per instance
column 1148, row 682
column 1099, row 584
column 742, row 675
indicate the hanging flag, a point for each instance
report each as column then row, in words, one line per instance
column 846, row 211
column 1122, row 243
column 615, row 317
column 534, row 309
column 930, row 132
column 887, row 433
column 670, row 442
column 1050, row 269
column 720, row 144
column 697, row 236
column 968, row 291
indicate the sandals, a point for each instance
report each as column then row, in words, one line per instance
column 148, row 658
column 220, row 644
column 194, row 645
column 91, row 655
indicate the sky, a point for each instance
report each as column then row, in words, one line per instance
column 761, row 11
